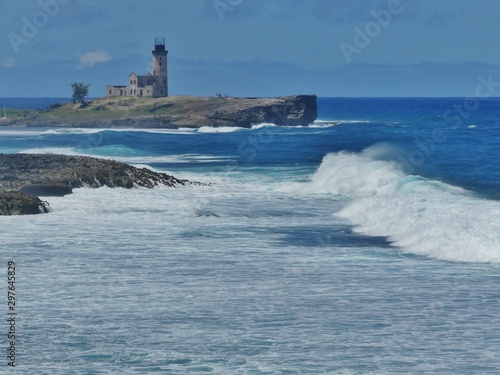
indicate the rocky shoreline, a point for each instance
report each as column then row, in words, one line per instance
column 24, row 177
column 171, row 112
column 18, row 203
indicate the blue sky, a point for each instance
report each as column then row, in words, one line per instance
column 252, row 47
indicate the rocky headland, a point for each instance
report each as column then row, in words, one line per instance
column 24, row 177
column 171, row 112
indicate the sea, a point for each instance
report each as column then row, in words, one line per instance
column 365, row 243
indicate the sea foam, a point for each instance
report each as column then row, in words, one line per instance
column 418, row 215
column 221, row 129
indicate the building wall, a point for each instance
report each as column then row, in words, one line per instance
column 115, row 90
column 132, row 81
column 129, row 91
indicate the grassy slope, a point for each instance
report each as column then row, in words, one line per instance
column 115, row 108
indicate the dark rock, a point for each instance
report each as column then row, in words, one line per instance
column 46, row 172
column 22, row 176
column 18, row 203
column 54, row 106
column 290, row 111
column 47, row 190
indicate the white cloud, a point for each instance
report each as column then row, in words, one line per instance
column 8, row 63
column 89, row 59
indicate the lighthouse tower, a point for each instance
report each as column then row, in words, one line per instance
column 160, row 86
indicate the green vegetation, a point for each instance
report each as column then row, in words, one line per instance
column 80, row 91
column 107, row 110
column 18, row 113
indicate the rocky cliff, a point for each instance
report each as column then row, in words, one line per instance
column 25, row 176
column 290, row 111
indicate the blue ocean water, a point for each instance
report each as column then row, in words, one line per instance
column 365, row 243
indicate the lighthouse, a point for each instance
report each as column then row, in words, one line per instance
column 160, row 86
column 154, row 84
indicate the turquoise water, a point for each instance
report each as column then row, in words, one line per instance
column 366, row 243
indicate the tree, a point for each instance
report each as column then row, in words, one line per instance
column 80, row 91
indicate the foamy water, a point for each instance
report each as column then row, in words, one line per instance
column 314, row 250
column 416, row 214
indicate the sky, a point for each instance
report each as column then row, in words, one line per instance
column 332, row 48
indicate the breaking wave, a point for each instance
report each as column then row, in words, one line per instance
column 419, row 215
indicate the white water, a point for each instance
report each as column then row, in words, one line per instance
column 222, row 129
column 183, row 158
column 416, row 214
column 240, row 277
column 52, row 150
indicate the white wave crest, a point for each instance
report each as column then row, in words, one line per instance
column 319, row 124
column 72, row 131
column 52, row 150
column 76, row 131
column 419, row 215
column 221, row 129
column 183, row 158
column 136, row 160
column 21, row 133
column 263, row 125
column 157, row 131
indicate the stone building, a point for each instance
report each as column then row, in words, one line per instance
column 153, row 84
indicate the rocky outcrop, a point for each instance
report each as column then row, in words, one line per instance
column 175, row 112
column 17, row 203
column 47, row 190
column 290, row 111
column 24, row 176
